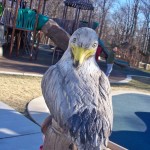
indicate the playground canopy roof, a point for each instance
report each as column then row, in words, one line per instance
column 81, row 4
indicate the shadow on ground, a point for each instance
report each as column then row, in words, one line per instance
column 131, row 127
column 22, row 63
column 134, row 140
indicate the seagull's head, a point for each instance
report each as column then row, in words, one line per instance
column 83, row 44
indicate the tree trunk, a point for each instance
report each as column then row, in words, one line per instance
column 103, row 19
column 135, row 17
column 55, row 137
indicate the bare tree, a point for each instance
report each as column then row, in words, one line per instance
column 120, row 25
column 54, row 7
column 103, row 9
column 126, row 28
column 145, row 8
column 134, row 18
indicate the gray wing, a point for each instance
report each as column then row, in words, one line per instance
column 58, row 99
column 86, row 111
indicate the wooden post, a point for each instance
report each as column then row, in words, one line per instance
column 2, row 41
column 18, row 42
column 64, row 16
column 14, row 27
column 77, row 24
column 12, row 3
column 76, row 14
column 43, row 10
column 30, row 4
column 37, row 45
column 4, row 3
column 34, row 33
column 89, row 22
column 65, row 12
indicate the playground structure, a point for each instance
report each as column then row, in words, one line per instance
column 78, row 5
column 25, row 21
column 19, row 21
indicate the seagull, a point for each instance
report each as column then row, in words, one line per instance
column 78, row 93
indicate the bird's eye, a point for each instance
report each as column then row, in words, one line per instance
column 94, row 45
column 74, row 40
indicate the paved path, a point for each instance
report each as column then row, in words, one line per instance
column 123, row 71
column 17, row 132
column 131, row 118
column 22, row 64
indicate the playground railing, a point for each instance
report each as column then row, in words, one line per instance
column 25, row 19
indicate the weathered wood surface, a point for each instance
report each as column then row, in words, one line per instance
column 55, row 139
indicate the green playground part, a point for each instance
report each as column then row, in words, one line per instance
column 83, row 21
column 26, row 19
column 95, row 25
column 1, row 9
column 41, row 21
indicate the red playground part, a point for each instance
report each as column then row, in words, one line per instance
column 98, row 52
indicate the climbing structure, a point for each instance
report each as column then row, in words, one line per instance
column 78, row 5
column 18, row 17
column 28, row 21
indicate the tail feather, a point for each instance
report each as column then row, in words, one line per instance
column 74, row 124
column 87, row 127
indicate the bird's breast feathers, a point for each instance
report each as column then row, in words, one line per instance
column 71, row 91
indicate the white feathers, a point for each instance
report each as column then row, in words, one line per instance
column 85, row 37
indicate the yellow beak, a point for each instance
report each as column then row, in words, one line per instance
column 80, row 54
